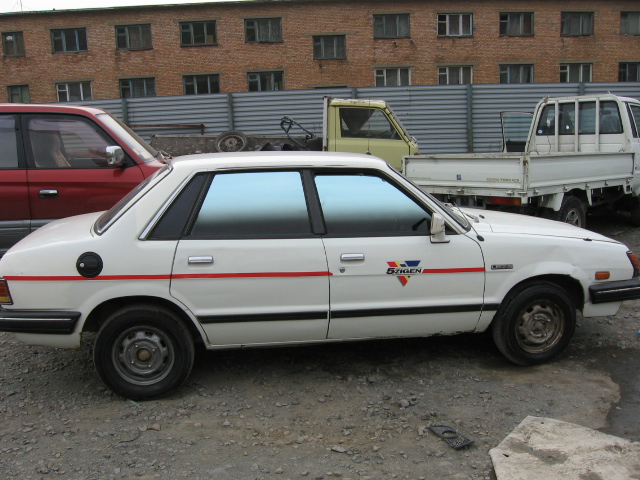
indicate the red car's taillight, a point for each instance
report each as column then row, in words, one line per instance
column 5, row 295
column 635, row 261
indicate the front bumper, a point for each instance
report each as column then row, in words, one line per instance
column 615, row 291
column 38, row 322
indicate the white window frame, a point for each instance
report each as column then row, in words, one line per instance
column 383, row 74
column 566, row 71
column 446, row 71
column 508, row 69
column 629, row 23
column 449, row 19
column 63, row 91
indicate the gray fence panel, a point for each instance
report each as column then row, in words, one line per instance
column 114, row 106
column 623, row 89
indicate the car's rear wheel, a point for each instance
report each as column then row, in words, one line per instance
column 143, row 352
column 535, row 324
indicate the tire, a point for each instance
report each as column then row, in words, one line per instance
column 231, row 141
column 143, row 352
column 572, row 211
column 535, row 324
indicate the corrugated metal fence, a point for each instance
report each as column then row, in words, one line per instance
column 444, row 119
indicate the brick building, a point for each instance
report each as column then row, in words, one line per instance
column 303, row 44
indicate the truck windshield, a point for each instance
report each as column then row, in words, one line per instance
column 143, row 150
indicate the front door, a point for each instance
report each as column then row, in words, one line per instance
column 388, row 279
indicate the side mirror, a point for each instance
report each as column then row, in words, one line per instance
column 115, row 156
column 438, row 227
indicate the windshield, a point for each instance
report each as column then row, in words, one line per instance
column 107, row 217
column 399, row 122
column 143, row 150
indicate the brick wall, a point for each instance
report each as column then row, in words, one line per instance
column 103, row 65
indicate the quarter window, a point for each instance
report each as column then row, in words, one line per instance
column 327, row 47
column 575, row 72
column 516, row 73
column 629, row 72
column 133, row 37
column 73, row 92
column 455, row 24
column 265, row 81
column 577, row 23
column 13, row 44
column 630, row 23
column 391, row 26
column 201, row 84
column 138, row 87
column 263, row 30
column 516, row 24
column 392, row 77
column 19, row 94
column 455, row 75
column 198, row 33
column 367, row 205
column 253, row 204
column 69, row 40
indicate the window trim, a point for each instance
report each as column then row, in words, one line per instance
column 263, row 72
column 181, row 26
column 320, row 40
column 510, row 66
column 63, row 39
column 624, row 23
column 447, row 24
column 626, row 64
column 15, row 44
column 397, row 16
column 193, row 76
column 20, row 86
column 582, row 14
column 257, row 30
column 384, row 76
column 133, row 79
column 507, row 22
column 126, row 35
column 581, row 65
column 461, row 76
column 80, row 83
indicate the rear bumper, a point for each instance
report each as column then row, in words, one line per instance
column 39, row 322
column 615, row 291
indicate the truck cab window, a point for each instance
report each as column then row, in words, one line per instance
column 634, row 118
column 366, row 123
column 610, row 118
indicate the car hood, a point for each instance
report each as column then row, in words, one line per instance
column 483, row 221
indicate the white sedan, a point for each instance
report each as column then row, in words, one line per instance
column 270, row 248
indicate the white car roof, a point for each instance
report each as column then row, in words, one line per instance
column 251, row 160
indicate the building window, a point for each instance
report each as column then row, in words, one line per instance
column 263, row 30
column 13, row 44
column 391, row 26
column 138, row 87
column 516, row 24
column 19, row 94
column 629, row 72
column 575, row 72
column 392, row 77
column 197, row 33
column 516, row 73
column 630, row 23
column 201, row 84
column 455, row 75
column 69, row 40
column 455, row 24
column 133, row 37
column 326, row 47
column 265, row 81
column 74, row 92
column 575, row 24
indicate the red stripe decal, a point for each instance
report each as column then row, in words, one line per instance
column 169, row 277
column 453, row 270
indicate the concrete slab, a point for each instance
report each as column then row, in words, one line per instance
column 548, row 449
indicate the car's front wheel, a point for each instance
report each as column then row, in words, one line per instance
column 535, row 324
column 143, row 352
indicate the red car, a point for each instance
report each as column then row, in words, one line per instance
column 57, row 161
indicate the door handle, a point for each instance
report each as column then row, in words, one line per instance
column 199, row 260
column 352, row 257
column 52, row 193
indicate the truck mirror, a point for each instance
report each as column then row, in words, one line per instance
column 115, row 156
column 438, row 228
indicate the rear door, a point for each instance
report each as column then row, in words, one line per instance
column 15, row 218
column 68, row 172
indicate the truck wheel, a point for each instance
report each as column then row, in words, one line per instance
column 231, row 141
column 535, row 324
column 572, row 212
column 143, row 352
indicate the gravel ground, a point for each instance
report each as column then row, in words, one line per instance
column 349, row 411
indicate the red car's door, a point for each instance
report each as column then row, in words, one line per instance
column 68, row 172
column 15, row 219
